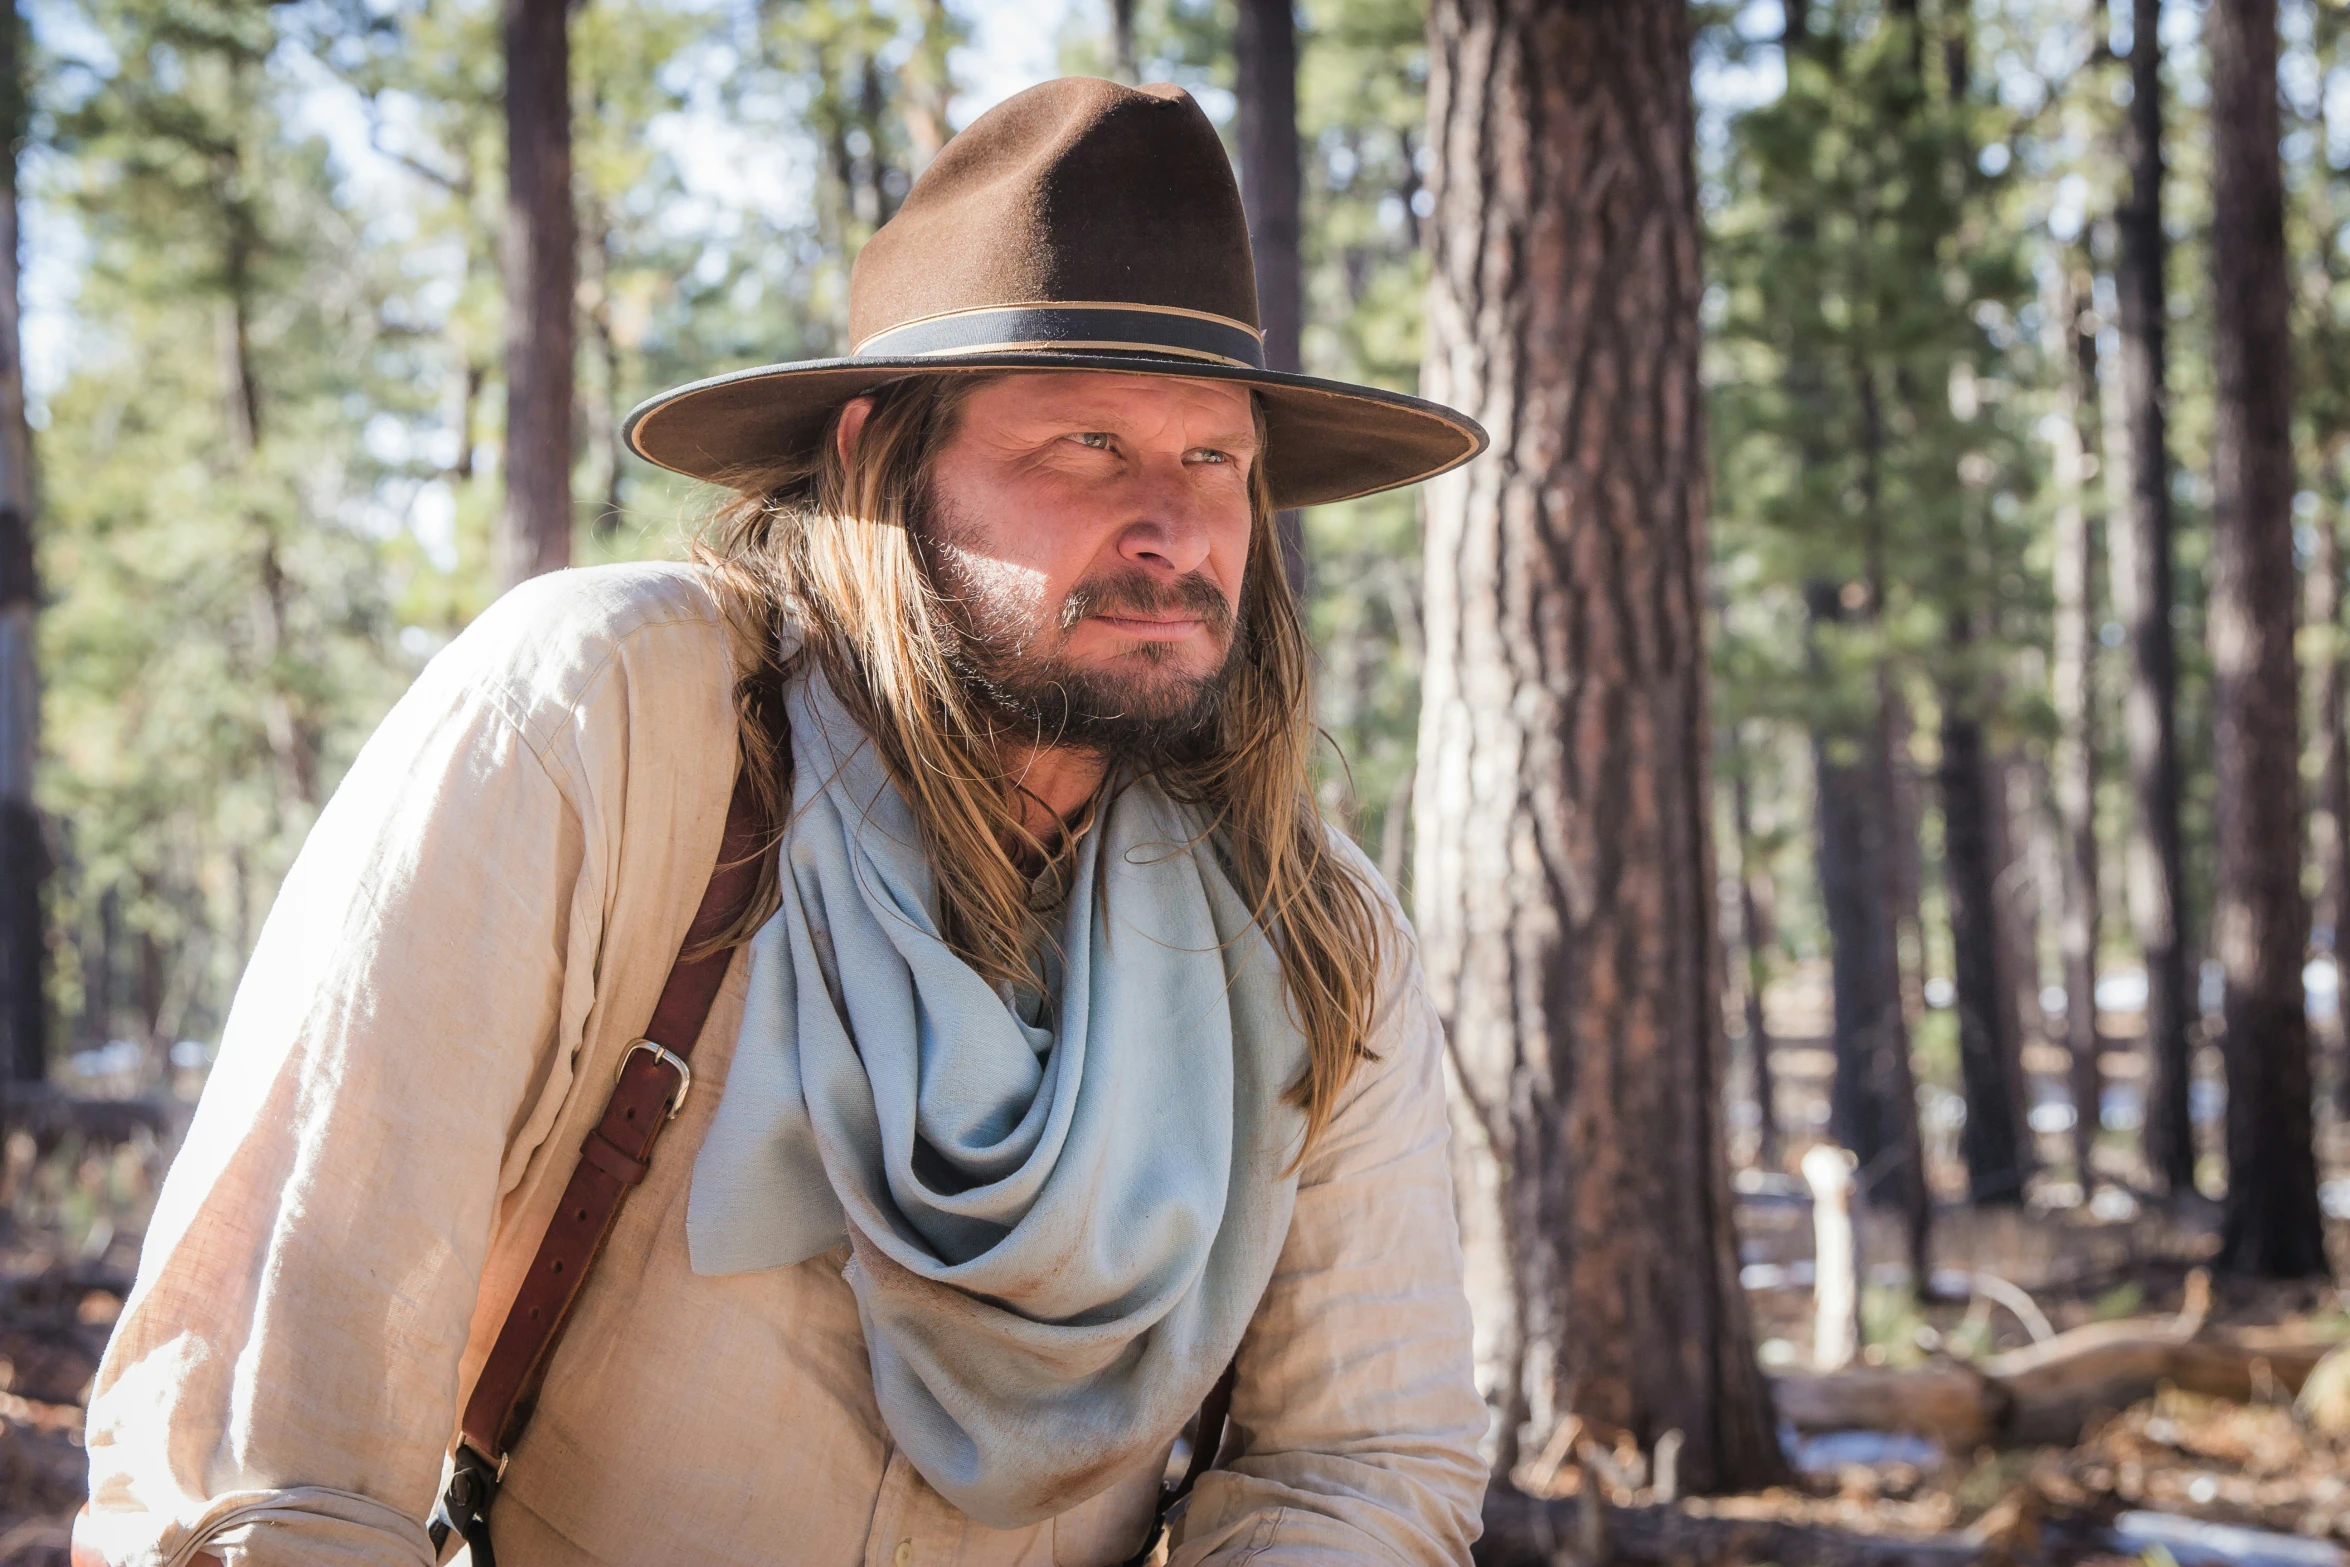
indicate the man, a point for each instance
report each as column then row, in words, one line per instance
column 1073, row 1059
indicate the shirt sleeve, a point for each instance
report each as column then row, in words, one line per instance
column 282, row 1385
column 1356, row 1421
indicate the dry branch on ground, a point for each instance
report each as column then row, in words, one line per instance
column 2049, row 1392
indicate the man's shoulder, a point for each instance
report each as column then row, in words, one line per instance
column 598, row 604
column 548, row 647
column 1341, row 846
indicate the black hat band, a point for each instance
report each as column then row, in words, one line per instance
column 1072, row 328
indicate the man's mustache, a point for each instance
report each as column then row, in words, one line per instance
column 1191, row 596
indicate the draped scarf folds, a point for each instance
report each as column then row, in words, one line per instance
column 1062, row 1202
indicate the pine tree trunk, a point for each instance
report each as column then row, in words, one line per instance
column 1122, row 66
column 926, row 82
column 2261, row 921
column 542, row 278
column 2019, row 934
column 1564, row 876
column 2329, row 821
column 2071, row 674
column 1994, row 1160
column 23, row 858
column 2330, row 812
column 1755, row 901
column 1905, row 862
column 2138, row 537
column 1872, row 1099
column 1264, row 51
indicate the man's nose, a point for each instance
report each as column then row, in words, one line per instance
column 1168, row 529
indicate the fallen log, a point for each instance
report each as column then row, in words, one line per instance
column 2049, row 1392
column 50, row 1114
column 1524, row 1531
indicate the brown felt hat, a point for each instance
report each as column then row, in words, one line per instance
column 1080, row 225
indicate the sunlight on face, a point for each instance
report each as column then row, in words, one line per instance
column 1090, row 534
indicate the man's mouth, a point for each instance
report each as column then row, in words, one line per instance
column 1152, row 628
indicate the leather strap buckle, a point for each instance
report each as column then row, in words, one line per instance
column 464, row 1508
column 670, row 1058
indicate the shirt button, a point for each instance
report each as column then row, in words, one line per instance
column 904, row 1554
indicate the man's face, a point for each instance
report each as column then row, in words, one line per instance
column 1088, row 533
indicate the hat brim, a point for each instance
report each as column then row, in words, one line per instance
column 1326, row 440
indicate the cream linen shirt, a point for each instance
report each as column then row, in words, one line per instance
column 430, row 1023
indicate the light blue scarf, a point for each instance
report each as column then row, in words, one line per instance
column 1059, row 1224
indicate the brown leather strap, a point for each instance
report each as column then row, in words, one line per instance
column 613, row 1159
column 1214, row 1410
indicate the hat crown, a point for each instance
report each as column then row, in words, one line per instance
column 1076, row 191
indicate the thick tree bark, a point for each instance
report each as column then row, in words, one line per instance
column 23, row 858
column 1264, row 51
column 1994, row 1160
column 2071, row 674
column 2261, row 922
column 2138, row 536
column 1564, row 880
column 542, row 278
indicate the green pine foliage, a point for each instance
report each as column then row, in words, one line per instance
column 216, row 545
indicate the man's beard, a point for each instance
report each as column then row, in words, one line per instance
column 1008, row 651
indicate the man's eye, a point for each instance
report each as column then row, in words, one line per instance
column 1209, row 454
column 1096, row 439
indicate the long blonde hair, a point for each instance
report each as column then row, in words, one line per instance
column 823, row 548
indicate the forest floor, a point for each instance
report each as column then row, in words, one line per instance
column 2171, row 1478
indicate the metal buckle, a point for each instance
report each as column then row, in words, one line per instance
column 685, row 1074
column 464, row 1508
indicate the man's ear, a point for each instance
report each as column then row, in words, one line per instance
column 853, row 415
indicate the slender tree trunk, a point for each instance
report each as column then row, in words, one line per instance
column 1564, row 878
column 2138, row 536
column 604, row 412
column 288, row 725
column 542, row 277
column 2018, row 893
column 1896, row 782
column 1264, row 49
column 1905, row 860
column 1755, row 903
column 1872, row 1099
column 1994, row 1162
column 2329, row 821
column 926, row 83
column 1875, row 1081
column 99, row 985
column 468, row 421
column 1122, row 65
column 23, row 858
column 2261, row 922
column 2071, row 674
column 2329, row 814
